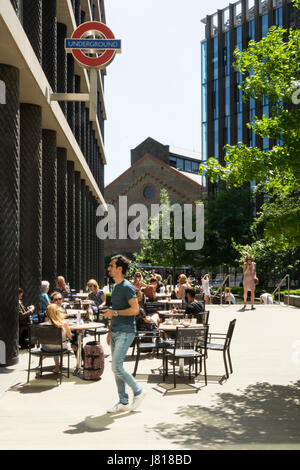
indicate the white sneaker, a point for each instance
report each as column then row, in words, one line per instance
column 137, row 400
column 119, row 408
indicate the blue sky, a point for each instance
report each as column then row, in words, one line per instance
column 153, row 87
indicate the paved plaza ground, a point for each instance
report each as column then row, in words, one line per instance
column 258, row 407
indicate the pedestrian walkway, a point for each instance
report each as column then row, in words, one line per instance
column 256, row 408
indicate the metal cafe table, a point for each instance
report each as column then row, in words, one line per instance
column 80, row 328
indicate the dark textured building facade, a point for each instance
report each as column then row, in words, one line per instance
column 224, row 114
column 52, row 157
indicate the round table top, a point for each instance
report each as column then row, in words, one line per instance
column 168, row 327
column 171, row 301
column 86, row 326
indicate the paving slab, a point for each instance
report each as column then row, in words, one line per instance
column 258, row 407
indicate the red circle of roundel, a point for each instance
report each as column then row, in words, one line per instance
column 106, row 57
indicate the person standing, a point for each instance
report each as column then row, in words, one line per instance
column 122, row 332
column 206, row 289
column 249, row 281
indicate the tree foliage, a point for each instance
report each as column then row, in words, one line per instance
column 228, row 216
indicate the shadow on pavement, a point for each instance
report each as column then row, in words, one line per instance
column 261, row 415
column 97, row 423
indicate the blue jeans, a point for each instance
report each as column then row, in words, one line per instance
column 120, row 343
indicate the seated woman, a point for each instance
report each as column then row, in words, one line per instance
column 151, row 289
column 45, row 298
column 143, row 321
column 183, row 284
column 24, row 319
column 138, row 281
column 62, row 287
column 98, row 297
column 55, row 317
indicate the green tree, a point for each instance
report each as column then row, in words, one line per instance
column 228, row 216
column 169, row 252
column 270, row 68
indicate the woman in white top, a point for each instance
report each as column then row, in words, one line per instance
column 54, row 316
column 206, row 288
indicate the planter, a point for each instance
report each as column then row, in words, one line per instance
column 294, row 300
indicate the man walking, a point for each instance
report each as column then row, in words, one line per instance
column 122, row 332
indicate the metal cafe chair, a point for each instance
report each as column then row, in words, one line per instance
column 146, row 341
column 190, row 343
column 47, row 334
column 223, row 346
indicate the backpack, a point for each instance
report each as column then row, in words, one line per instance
column 93, row 365
column 148, row 291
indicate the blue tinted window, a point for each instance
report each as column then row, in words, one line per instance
column 227, row 96
column 204, row 141
column 195, row 167
column 278, row 17
column 227, row 130
column 239, row 42
column 215, row 58
column 252, row 135
column 239, row 93
column 216, row 127
column 264, row 25
column 204, row 62
column 240, row 127
column 251, row 30
column 188, row 165
column 148, row 192
column 204, row 103
column 227, row 53
column 216, row 99
column 179, row 164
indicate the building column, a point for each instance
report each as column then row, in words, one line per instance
column 77, row 232
column 31, row 203
column 83, row 129
column 62, row 213
column 50, row 42
column 49, row 172
column 88, row 143
column 77, row 12
column 88, row 235
column 233, row 82
column 83, row 235
column 61, row 63
column 71, row 224
column 18, row 7
column 9, row 220
column 32, row 24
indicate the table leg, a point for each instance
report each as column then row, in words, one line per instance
column 77, row 370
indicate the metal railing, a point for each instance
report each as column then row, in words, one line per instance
column 221, row 288
column 278, row 289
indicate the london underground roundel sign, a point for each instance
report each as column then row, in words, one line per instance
column 96, row 39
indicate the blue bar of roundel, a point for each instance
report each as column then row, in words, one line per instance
column 93, row 44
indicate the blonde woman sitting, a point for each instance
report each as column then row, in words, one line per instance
column 183, row 284
column 55, row 317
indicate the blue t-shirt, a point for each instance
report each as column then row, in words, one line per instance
column 45, row 298
column 121, row 294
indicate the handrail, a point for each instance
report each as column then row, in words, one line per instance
column 221, row 286
column 278, row 288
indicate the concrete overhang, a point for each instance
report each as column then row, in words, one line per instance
column 16, row 50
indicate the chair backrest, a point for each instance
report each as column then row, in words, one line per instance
column 229, row 333
column 191, row 338
column 203, row 317
column 46, row 334
column 153, row 307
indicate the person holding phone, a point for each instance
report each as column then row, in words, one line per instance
column 122, row 332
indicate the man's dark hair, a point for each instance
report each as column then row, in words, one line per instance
column 121, row 261
column 190, row 291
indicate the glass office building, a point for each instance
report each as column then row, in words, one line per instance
column 224, row 114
